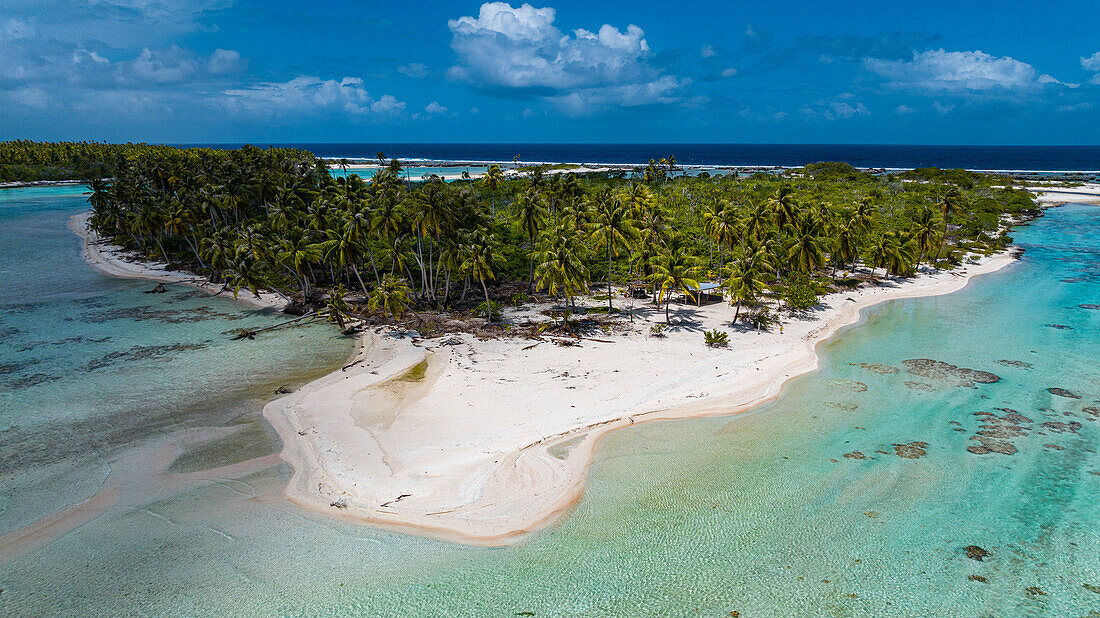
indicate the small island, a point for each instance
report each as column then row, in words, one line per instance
column 508, row 320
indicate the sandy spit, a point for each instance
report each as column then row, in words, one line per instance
column 484, row 442
column 112, row 260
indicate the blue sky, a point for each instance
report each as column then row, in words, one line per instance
column 191, row 71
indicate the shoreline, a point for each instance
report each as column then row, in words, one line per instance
column 337, row 429
column 346, row 435
column 111, row 260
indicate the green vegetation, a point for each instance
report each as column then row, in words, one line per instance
column 276, row 219
column 716, row 338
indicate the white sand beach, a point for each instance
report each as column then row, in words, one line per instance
column 1088, row 193
column 112, row 260
column 485, row 441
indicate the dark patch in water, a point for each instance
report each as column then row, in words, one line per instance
column 66, row 341
column 910, row 450
column 170, row 316
column 1014, row 363
column 8, row 332
column 1089, row 306
column 32, row 380
column 138, row 352
column 995, row 434
column 939, row 370
column 848, row 407
column 855, row 455
column 876, row 367
column 1059, row 427
column 976, row 552
column 919, row 386
column 851, row 385
column 8, row 368
column 1061, row 392
column 1058, row 326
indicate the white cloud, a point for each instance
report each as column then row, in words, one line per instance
column 30, row 97
column 519, row 51
column 163, row 67
column 225, row 61
column 414, row 69
column 940, row 70
column 307, row 95
column 386, row 104
column 12, row 28
column 941, row 107
column 842, row 107
column 729, row 72
column 707, row 51
column 435, row 108
column 903, row 110
column 1092, row 63
column 585, row 101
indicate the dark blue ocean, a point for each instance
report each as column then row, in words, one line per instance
column 1018, row 158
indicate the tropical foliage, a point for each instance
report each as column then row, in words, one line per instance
column 276, row 219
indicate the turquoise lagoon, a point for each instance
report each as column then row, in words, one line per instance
column 413, row 172
column 761, row 513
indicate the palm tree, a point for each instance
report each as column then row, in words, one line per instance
column 531, row 214
column 926, row 233
column 613, row 229
column 391, row 296
column 745, row 284
column 845, row 249
column 676, row 269
column 296, row 256
column 336, row 306
column 479, row 253
column 889, row 251
column 560, row 266
column 724, row 228
column 806, row 253
column 783, row 207
column 493, row 179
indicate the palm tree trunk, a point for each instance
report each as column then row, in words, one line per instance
column 488, row 303
column 531, row 274
column 356, row 270
column 373, row 266
column 609, row 278
column 736, row 312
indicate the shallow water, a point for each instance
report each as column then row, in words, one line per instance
column 413, row 173
column 761, row 513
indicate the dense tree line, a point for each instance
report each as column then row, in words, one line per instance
column 275, row 219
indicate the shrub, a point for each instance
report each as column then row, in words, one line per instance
column 800, row 295
column 716, row 338
column 519, row 298
column 657, row 330
column 494, row 306
column 761, row 319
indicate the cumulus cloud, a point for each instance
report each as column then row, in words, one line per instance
column 1092, row 63
column 520, row 52
column 310, row 95
column 707, row 51
column 224, row 61
column 414, row 69
column 961, row 71
column 435, row 108
column 903, row 110
column 841, row 107
column 164, row 67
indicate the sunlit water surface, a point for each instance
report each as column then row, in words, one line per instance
column 761, row 514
